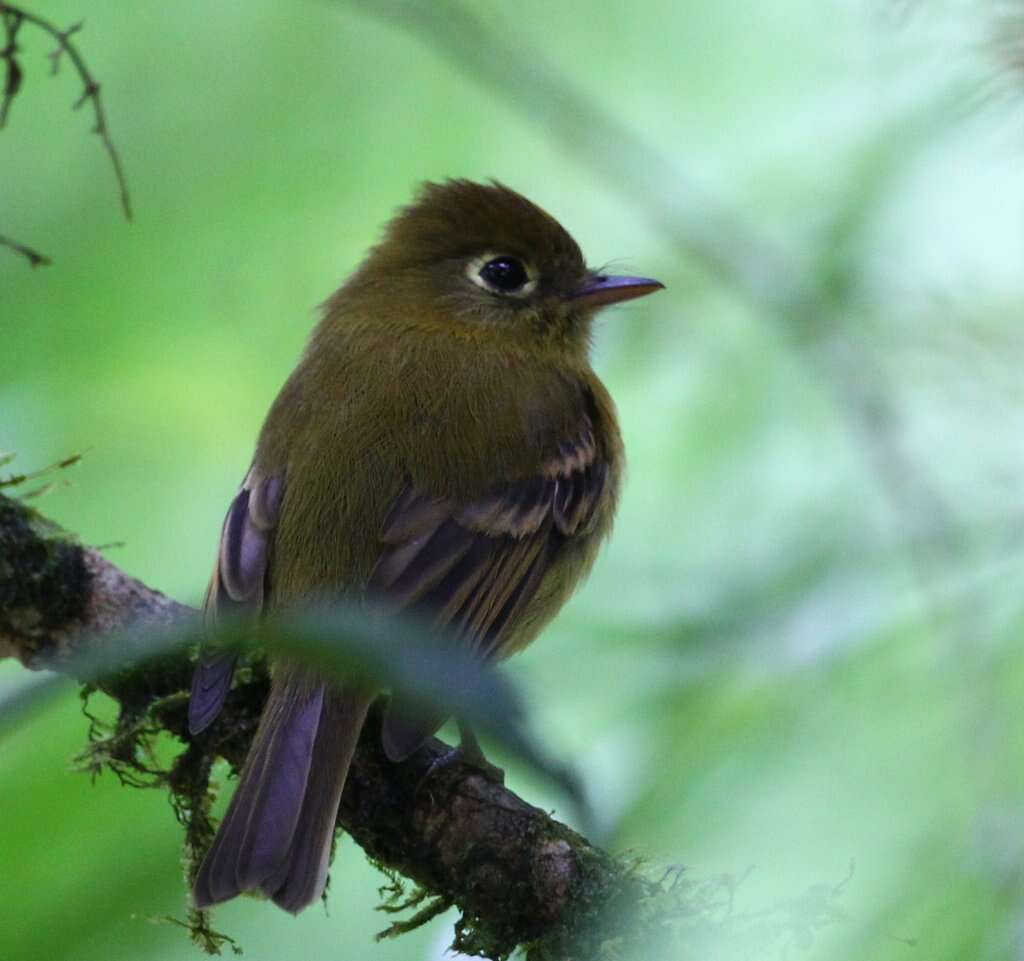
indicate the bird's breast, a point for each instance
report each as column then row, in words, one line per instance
column 353, row 429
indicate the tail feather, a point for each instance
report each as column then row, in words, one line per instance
column 277, row 832
column 211, row 682
column 302, row 877
column 271, row 810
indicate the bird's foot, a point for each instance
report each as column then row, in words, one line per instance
column 469, row 753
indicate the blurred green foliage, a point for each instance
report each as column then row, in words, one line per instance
column 801, row 648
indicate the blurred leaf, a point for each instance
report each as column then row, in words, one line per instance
column 348, row 643
column 23, row 695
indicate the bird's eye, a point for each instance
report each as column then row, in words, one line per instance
column 504, row 274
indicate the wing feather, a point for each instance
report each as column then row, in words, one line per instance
column 238, row 586
column 472, row 567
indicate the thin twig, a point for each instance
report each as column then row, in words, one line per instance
column 34, row 257
column 13, row 19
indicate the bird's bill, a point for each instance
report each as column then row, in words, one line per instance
column 599, row 289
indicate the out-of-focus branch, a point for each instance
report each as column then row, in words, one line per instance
column 1008, row 39
column 796, row 292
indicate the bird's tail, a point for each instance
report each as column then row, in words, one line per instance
column 276, row 835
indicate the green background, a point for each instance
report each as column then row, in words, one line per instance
column 800, row 650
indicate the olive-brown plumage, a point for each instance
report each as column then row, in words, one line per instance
column 443, row 445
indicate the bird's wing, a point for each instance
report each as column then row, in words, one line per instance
column 470, row 566
column 237, row 586
column 473, row 567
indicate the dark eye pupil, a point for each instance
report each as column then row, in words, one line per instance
column 504, row 273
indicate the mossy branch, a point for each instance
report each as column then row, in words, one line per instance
column 518, row 876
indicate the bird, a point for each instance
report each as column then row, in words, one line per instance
column 443, row 446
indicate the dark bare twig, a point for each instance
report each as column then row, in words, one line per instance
column 34, row 257
column 13, row 19
column 58, row 51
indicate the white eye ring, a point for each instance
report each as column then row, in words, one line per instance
column 474, row 267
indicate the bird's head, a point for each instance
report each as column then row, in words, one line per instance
column 481, row 257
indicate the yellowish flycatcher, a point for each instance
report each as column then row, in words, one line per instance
column 442, row 445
